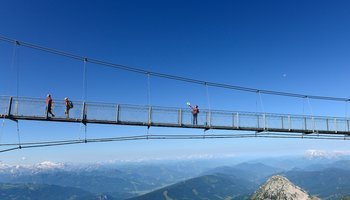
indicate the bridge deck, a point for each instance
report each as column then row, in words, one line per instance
column 35, row 109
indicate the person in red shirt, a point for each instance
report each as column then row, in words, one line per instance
column 49, row 106
column 195, row 111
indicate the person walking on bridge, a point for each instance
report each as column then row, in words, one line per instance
column 68, row 104
column 195, row 111
column 49, row 106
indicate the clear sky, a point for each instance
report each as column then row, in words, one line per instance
column 292, row 46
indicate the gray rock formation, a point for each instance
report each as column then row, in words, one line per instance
column 280, row 188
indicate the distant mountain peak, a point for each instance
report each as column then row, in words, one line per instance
column 50, row 165
column 321, row 154
column 3, row 165
column 280, row 188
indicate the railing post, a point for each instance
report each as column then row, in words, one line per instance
column 282, row 122
column 335, row 125
column 83, row 114
column 258, row 120
column 180, row 117
column 149, row 115
column 117, row 113
column 289, row 123
column 237, row 120
column 305, row 126
column 9, row 108
column 208, row 118
column 327, row 124
column 84, row 117
column 313, row 124
column 16, row 107
column 347, row 123
column 233, row 120
column 264, row 119
column 267, row 122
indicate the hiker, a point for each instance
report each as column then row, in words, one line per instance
column 49, row 106
column 195, row 111
column 68, row 105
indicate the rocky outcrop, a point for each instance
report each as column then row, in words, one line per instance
column 280, row 188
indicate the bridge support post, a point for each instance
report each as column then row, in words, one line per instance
column 179, row 117
column 335, row 125
column 347, row 125
column 305, row 126
column 233, row 120
column 149, row 116
column 208, row 119
column 117, row 114
column 327, row 124
column 264, row 118
column 258, row 120
column 83, row 114
column 289, row 124
column 16, row 107
column 237, row 115
column 9, row 107
column 313, row 124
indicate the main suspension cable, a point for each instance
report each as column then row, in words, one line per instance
column 168, row 76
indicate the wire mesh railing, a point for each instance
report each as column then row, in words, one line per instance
column 33, row 108
column 4, row 103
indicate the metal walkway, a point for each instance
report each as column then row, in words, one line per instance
column 23, row 108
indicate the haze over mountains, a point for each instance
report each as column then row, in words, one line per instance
column 325, row 177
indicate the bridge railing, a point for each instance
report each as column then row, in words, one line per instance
column 33, row 107
column 4, row 105
column 22, row 107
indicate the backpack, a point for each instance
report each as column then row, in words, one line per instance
column 70, row 104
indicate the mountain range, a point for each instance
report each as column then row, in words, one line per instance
column 326, row 178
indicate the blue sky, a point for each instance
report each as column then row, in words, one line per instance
column 291, row 46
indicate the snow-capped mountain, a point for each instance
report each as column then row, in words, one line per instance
column 3, row 166
column 48, row 165
column 321, row 154
column 30, row 169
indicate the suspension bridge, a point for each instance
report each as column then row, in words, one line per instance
column 254, row 124
column 20, row 108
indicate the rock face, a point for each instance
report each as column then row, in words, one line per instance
column 280, row 188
